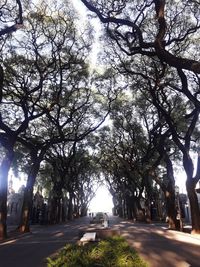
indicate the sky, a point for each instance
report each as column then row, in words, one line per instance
column 82, row 20
column 80, row 7
column 102, row 201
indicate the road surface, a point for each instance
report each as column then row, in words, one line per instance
column 159, row 246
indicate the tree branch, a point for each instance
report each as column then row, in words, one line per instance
column 18, row 20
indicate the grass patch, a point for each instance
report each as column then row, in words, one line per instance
column 110, row 252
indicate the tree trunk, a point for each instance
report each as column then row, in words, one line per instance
column 70, row 208
column 129, row 207
column 195, row 211
column 53, row 211
column 170, row 198
column 26, row 210
column 4, row 169
column 140, row 216
column 120, row 207
column 124, row 207
column 148, row 210
column 114, row 200
column 59, row 209
column 171, row 210
column 192, row 195
column 83, row 209
column 28, row 198
column 63, row 209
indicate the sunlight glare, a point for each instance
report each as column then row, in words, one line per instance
column 16, row 183
column 102, row 202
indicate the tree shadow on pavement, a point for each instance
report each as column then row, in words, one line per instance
column 33, row 248
column 161, row 247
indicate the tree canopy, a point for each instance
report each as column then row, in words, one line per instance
column 130, row 119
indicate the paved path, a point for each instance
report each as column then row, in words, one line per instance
column 31, row 249
column 159, row 246
column 162, row 247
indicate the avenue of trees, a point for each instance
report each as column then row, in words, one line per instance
column 66, row 125
column 155, row 43
column 49, row 95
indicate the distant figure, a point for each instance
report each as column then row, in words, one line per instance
column 105, row 220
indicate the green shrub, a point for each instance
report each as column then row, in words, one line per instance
column 110, row 252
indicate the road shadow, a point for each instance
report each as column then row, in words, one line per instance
column 32, row 249
column 157, row 245
column 162, row 247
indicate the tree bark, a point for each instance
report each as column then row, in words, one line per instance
column 4, row 169
column 59, row 208
column 28, row 198
column 192, row 195
column 129, row 207
column 53, row 211
column 63, row 210
column 1, row 82
column 140, row 210
column 171, row 210
column 170, row 197
column 194, row 206
column 119, row 207
column 70, row 208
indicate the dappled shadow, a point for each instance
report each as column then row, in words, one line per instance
column 155, row 243
column 160, row 246
column 32, row 249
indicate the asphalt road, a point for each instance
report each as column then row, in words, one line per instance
column 156, row 244
column 32, row 249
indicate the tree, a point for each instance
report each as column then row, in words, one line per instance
column 27, row 93
column 8, row 13
column 121, row 149
column 11, row 12
column 183, row 134
column 142, row 29
column 182, row 126
column 161, row 148
column 60, row 157
column 49, row 84
column 73, row 175
column 12, row 124
column 166, row 33
column 71, row 104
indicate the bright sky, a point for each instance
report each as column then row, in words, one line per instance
column 102, row 201
column 81, row 9
column 17, row 181
column 180, row 179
